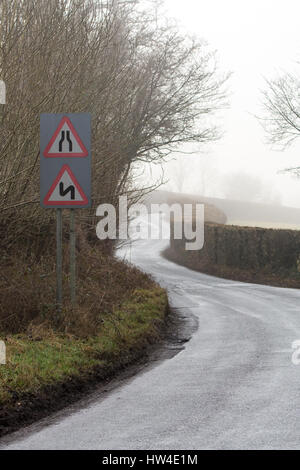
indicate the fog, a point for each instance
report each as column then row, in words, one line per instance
column 253, row 40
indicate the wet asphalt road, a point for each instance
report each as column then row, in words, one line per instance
column 232, row 387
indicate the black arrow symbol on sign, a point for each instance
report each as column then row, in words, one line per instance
column 63, row 192
column 62, row 140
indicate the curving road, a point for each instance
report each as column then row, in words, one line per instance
column 232, row 387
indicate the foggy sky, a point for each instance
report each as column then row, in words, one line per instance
column 254, row 39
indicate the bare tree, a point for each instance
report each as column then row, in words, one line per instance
column 148, row 88
column 281, row 101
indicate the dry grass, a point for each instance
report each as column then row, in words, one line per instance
column 28, row 289
column 33, row 364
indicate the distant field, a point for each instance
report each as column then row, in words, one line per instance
column 211, row 212
column 278, row 225
column 236, row 212
column 257, row 215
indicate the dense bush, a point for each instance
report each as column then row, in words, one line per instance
column 248, row 248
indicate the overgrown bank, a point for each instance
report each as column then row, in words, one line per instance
column 45, row 374
column 52, row 355
column 249, row 254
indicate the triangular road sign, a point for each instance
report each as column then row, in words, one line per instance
column 65, row 190
column 65, row 142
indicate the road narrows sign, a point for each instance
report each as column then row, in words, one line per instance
column 65, row 142
column 65, row 182
column 65, row 190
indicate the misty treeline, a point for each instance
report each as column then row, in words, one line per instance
column 148, row 88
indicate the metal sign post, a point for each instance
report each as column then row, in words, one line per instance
column 65, row 178
column 59, row 258
column 72, row 257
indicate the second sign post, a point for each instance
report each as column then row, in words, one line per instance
column 65, row 177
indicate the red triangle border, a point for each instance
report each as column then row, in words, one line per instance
column 84, row 153
column 65, row 203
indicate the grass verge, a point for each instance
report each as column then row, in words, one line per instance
column 43, row 371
